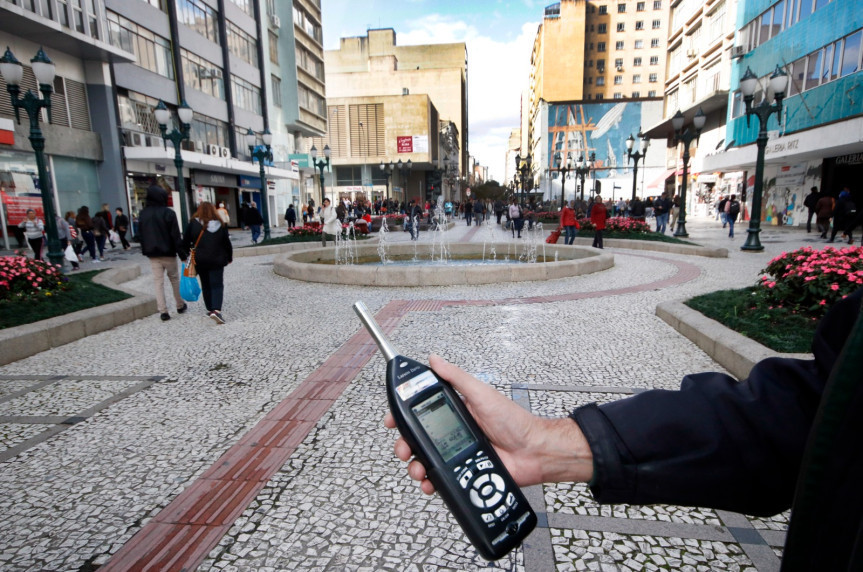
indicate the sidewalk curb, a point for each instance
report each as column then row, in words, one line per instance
column 735, row 352
column 24, row 341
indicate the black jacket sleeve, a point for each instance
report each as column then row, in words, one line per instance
column 716, row 442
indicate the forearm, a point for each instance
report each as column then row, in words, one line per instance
column 562, row 453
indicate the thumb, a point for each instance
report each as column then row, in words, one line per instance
column 471, row 388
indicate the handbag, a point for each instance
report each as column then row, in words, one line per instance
column 189, row 269
column 69, row 254
column 189, row 287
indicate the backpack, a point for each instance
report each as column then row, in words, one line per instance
column 734, row 209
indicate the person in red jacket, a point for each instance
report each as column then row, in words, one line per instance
column 598, row 214
column 568, row 222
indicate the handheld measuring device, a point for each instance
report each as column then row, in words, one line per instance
column 459, row 460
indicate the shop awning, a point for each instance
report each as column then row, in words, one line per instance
column 659, row 182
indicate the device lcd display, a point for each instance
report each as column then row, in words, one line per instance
column 449, row 435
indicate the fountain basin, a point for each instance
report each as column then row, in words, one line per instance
column 316, row 265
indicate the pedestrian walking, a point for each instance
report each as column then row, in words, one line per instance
column 810, row 203
column 661, row 207
column 516, row 217
column 64, row 234
column 121, row 225
column 106, row 209
column 34, row 230
column 100, row 232
column 213, row 251
column 291, row 217
column 224, row 215
column 162, row 244
column 723, row 202
column 85, row 224
column 568, row 222
column 331, row 227
column 253, row 219
column 478, row 209
column 823, row 213
column 598, row 216
column 732, row 209
column 843, row 214
column 675, row 212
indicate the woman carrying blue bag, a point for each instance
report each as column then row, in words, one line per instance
column 207, row 238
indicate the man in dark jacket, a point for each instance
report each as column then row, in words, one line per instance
column 636, row 209
column 788, row 436
column 809, row 202
column 161, row 243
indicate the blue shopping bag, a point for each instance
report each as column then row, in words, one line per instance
column 189, row 287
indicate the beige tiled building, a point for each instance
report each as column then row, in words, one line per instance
column 389, row 103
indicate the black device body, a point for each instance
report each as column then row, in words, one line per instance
column 459, row 460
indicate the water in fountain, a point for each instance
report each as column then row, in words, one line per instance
column 383, row 240
column 533, row 237
column 492, row 252
column 346, row 249
column 440, row 251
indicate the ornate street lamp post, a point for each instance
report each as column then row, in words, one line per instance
column 522, row 166
column 582, row 168
column 262, row 153
column 637, row 156
column 321, row 165
column 564, row 169
column 686, row 137
column 776, row 90
column 388, row 170
column 176, row 137
column 388, row 175
column 13, row 72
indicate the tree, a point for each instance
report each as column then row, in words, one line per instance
column 490, row 190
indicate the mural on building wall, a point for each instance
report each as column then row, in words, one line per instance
column 601, row 128
column 785, row 187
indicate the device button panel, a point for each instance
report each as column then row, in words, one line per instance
column 486, row 488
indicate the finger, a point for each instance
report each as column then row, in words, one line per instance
column 427, row 487
column 402, row 450
column 416, row 471
column 466, row 384
column 389, row 421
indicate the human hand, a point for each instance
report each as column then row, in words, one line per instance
column 533, row 449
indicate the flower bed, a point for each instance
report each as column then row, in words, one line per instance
column 811, row 280
column 618, row 224
column 22, row 278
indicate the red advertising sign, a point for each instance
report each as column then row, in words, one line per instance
column 17, row 207
column 405, row 144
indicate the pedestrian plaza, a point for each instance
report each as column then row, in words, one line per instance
column 259, row 444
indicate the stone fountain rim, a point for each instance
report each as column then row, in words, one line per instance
column 300, row 265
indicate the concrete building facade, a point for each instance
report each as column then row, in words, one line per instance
column 367, row 79
column 82, row 149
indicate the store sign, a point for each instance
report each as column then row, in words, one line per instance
column 791, row 175
column 249, row 182
column 209, row 179
column 853, row 159
column 7, row 132
column 405, row 144
column 17, row 207
column 300, row 159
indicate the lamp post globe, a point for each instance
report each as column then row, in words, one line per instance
column 262, row 154
column 176, row 137
column 685, row 136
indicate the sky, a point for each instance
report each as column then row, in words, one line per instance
column 499, row 36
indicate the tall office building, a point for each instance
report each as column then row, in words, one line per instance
column 389, row 104
column 82, row 149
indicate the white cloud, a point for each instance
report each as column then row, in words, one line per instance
column 498, row 72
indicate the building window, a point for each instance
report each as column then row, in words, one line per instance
column 656, row 24
column 639, row 44
column 151, row 51
column 600, row 46
column 621, row 27
column 602, row 29
column 600, row 81
column 654, row 60
column 639, row 25
column 242, row 45
column 600, row 66
column 618, row 96
column 651, row 93
column 209, row 131
column 245, row 6
column 590, row 81
column 202, row 75
column 199, row 17
column 654, row 43
column 636, row 78
column 618, row 79
column 652, row 78
column 598, row 96
column 657, row 4
column 618, row 45
column 636, row 62
column 246, row 95
column 618, row 63
column 636, row 94
column 309, row 26
column 310, row 63
column 273, row 43
column 603, row 10
column 276, row 86
column 639, row 6
column 621, row 8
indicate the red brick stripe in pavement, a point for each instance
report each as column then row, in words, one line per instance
column 181, row 535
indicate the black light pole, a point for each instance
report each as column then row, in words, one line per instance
column 262, row 153
column 388, row 175
column 522, row 166
column 13, row 72
column 686, row 137
column 564, row 169
column 778, row 84
column 176, row 137
column 321, row 165
column 403, row 168
column 582, row 168
column 637, row 156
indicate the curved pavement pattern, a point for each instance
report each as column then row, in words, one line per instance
column 258, row 445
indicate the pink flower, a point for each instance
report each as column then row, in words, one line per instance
column 834, row 287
